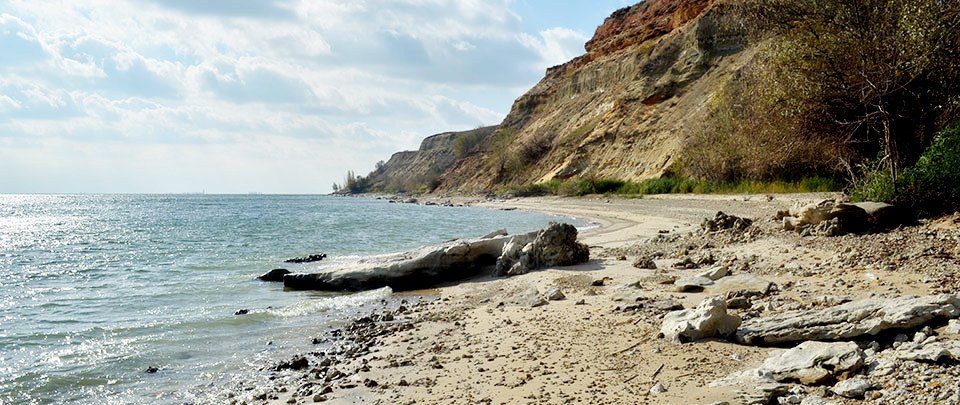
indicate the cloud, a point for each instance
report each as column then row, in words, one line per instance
column 230, row 8
column 337, row 84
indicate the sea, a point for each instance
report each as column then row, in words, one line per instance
column 95, row 290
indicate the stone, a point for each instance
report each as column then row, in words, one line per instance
column 827, row 218
column 296, row 363
column 708, row 319
column 275, row 275
column 743, row 285
column 723, row 221
column 307, row 259
column 555, row 294
column 953, row 327
column 242, row 312
column 645, row 262
column 814, row 362
column 422, row 268
column 530, row 297
column 852, row 388
column 931, row 350
column 658, row 389
column 849, row 321
column 555, row 245
column 691, row 284
column 815, row 400
column 494, row 234
column 715, row 273
column 152, row 370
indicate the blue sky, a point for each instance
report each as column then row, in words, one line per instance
column 273, row 96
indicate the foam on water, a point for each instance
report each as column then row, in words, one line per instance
column 94, row 289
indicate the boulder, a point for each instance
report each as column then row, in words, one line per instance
column 422, row 268
column 691, row 284
column 723, row 221
column 850, row 320
column 555, row 245
column 852, row 388
column 274, row 275
column 708, row 319
column 814, row 362
column 831, row 218
column 645, row 262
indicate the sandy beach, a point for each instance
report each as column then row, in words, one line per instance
column 489, row 341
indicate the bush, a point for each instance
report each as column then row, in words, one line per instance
column 932, row 185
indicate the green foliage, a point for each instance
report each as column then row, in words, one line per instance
column 672, row 185
column 354, row 184
column 467, row 143
column 933, row 184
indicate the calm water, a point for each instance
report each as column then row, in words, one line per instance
column 96, row 288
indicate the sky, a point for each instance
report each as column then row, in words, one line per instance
column 270, row 96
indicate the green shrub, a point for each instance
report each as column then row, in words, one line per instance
column 932, row 185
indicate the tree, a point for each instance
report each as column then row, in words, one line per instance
column 885, row 71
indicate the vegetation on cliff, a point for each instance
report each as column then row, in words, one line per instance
column 714, row 95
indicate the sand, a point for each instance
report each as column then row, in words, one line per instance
column 473, row 344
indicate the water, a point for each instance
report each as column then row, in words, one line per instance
column 94, row 289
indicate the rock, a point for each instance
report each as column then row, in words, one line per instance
column 743, row 285
column 815, row 400
column 554, row 246
column 498, row 232
column 658, row 389
column 848, row 321
column 319, row 398
column 885, row 216
column 814, row 362
column 953, row 327
column 723, row 221
column 708, row 319
column 852, row 388
column 274, row 275
column 580, row 302
column 422, row 268
column 691, row 284
column 152, row 370
column 307, row 259
column 930, row 350
column 715, row 273
column 242, row 312
column 645, row 262
column 555, row 294
column 827, row 218
column 296, row 363
column 530, row 297
column 599, row 282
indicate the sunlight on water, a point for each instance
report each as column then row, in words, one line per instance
column 96, row 288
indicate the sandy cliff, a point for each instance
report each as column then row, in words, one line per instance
column 621, row 110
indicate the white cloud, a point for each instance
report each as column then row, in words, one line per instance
column 178, row 86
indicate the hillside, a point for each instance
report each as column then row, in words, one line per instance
column 621, row 110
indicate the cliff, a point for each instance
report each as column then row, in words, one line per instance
column 420, row 170
column 622, row 110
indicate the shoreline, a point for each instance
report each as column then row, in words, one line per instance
column 477, row 341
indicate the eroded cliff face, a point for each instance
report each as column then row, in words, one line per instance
column 622, row 110
column 420, row 170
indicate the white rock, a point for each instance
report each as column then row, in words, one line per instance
column 691, row 284
column 815, row 400
column 813, row 362
column 746, row 283
column 929, row 350
column 555, row 294
column 852, row 388
column 953, row 327
column 716, row 273
column 708, row 319
column 848, row 321
column 658, row 389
